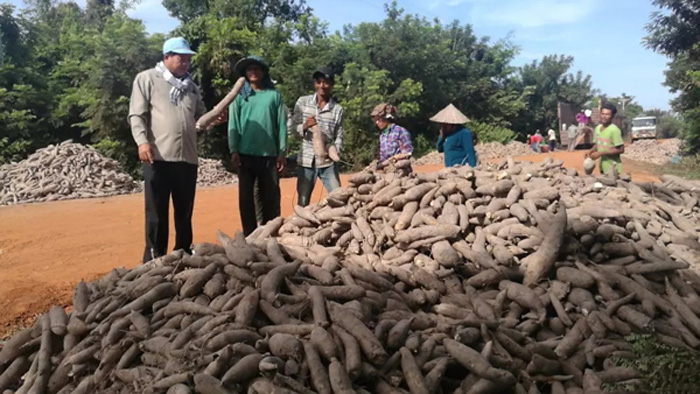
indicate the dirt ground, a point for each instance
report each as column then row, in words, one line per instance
column 46, row 248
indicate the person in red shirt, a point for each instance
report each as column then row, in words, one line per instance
column 534, row 142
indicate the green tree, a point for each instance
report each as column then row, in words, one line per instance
column 673, row 32
column 452, row 64
column 627, row 109
column 68, row 79
column 80, row 63
column 23, row 90
column 97, row 11
column 545, row 83
column 251, row 12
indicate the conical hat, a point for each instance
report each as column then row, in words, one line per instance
column 450, row 115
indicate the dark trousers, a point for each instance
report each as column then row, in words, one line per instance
column 258, row 203
column 263, row 170
column 161, row 181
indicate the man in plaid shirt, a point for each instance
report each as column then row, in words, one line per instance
column 322, row 110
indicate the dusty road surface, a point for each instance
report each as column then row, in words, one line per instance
column 46, row 248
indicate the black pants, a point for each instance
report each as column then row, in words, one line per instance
column 263, row 170
column 161, row 180
column 258, row 203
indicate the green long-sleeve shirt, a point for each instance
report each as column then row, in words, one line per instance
column 257, row 126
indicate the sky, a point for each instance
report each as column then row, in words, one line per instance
column 604, row 37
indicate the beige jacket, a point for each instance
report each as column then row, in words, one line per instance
column 170, row 129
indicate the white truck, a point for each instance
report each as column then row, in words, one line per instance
column 643, row 127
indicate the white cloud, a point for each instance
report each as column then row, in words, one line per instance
column 154, row 16
column 535, row 13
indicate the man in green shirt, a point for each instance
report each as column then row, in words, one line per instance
column 257, row 138
column 608, row 143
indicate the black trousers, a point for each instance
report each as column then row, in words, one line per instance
column 263, row 170
column 161, row 181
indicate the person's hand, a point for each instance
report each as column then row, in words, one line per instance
column 397, row 157
column 281, row 162
column 442, row 132
column 146, row 153
column 223, row 117
column 235, row 161
column 309, row 123
column 594, row 155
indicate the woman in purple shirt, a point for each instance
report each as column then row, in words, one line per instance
column 393, row 139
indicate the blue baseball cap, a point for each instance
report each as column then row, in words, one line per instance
column 177, row 45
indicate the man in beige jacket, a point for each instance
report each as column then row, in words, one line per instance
column 165, row 104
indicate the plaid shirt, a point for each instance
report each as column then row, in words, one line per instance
column 329, row 119
column 394, row 140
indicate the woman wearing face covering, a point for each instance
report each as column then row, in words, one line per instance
column 455, row 139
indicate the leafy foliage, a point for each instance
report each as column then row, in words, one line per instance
column 673, row 32
column 668, row 125
column 544, row 83
column 491, row 133
column 664, row 369
column 68, row 76
column 68, row 71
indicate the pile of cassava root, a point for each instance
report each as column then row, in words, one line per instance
column 211, row 172
column 485, row 151
column 496, row 150
column 517, row 278
column 657, row 152
column 60, row 172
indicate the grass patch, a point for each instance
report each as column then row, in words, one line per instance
column 688, row 167
column 664, row 369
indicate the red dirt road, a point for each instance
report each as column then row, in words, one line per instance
column 46, row 248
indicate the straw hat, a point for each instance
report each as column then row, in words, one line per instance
column 450, row 115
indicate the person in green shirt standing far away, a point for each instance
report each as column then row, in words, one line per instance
column 257, row 139
column 319, row 109
column 455, row 139
column 607, row 142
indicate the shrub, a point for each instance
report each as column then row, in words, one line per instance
column 491, row 133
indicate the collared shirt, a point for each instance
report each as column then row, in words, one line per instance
column 394, row 140
column 169, row 128
column 257, row 125
column 329, row 119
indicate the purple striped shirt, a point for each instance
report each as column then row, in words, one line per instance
column 394, row 140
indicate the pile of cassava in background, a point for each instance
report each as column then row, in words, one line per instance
column 516, row 278
column 62, row 172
